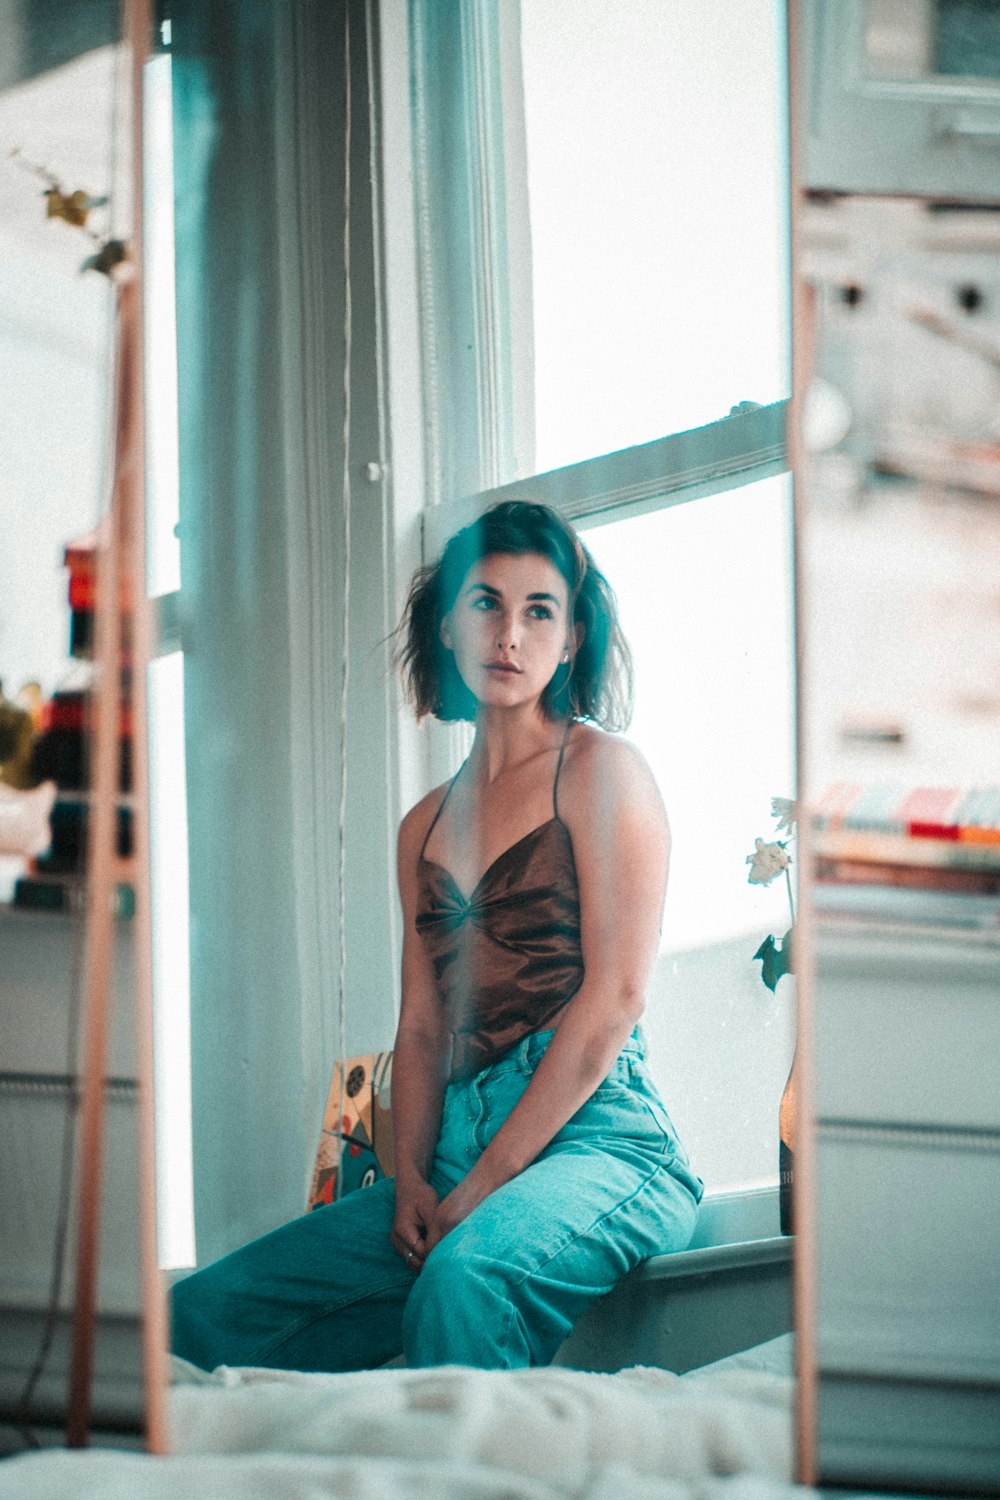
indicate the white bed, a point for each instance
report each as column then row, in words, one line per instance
column 719, row 1433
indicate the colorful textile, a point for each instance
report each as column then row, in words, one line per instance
column 356, row 1139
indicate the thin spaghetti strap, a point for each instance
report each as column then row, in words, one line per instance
column 555, row 784
column 440, row 809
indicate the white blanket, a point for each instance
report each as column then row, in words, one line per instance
column 450, row 1434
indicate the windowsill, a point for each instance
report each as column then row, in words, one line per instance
column 734, row 1230
column 708, row 1260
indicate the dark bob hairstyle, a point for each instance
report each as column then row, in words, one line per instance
column 598, row 682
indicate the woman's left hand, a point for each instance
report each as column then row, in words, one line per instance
column 458, row 1205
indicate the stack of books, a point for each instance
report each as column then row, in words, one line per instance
column 61, row 754
column 921, row 854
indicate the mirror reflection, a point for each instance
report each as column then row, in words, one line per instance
column 295, row 953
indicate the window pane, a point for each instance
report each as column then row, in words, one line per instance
column 705, row 596
column 657, row 182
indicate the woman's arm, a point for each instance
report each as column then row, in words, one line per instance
column 621, row 844
column 421, row 1058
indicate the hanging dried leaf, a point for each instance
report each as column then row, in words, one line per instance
column 110, row 255
column 775, row 959
column 74, row 208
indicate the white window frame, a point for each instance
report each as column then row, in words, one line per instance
column 721, row 456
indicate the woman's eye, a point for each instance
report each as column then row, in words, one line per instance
column 541, row 612
column 484, row 602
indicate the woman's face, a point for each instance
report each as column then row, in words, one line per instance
column 509, row 628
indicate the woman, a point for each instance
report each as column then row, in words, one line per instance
column 535, row 1163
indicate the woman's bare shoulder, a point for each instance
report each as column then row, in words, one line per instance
column 600, row 765
column 591, row 751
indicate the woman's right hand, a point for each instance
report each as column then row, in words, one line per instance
column 416, row 1201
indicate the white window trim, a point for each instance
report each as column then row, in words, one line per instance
column 470, row 206
column 711, row 460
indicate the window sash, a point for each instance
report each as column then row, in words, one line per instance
column 724, row 455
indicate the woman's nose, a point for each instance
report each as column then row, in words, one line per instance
column 507, row 634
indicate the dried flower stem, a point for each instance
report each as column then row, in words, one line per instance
column 791, row 904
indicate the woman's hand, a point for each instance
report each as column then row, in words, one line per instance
column 458, row 1205
column 416, row 1206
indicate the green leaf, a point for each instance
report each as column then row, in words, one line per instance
column 775, row 959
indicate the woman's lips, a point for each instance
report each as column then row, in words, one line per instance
column 502, row 666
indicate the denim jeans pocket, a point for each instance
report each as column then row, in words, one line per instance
column 646, row 1090
column 611, row 1096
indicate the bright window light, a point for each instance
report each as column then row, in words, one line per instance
column 705, row 602
column 656, row 140
column 171, row 977
column 167, row 778
column 705, row 598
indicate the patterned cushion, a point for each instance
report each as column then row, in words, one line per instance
column 356, row 1140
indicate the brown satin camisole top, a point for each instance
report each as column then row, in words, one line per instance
column 506, row 957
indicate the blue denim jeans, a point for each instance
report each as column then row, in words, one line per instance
column 504, row 1288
